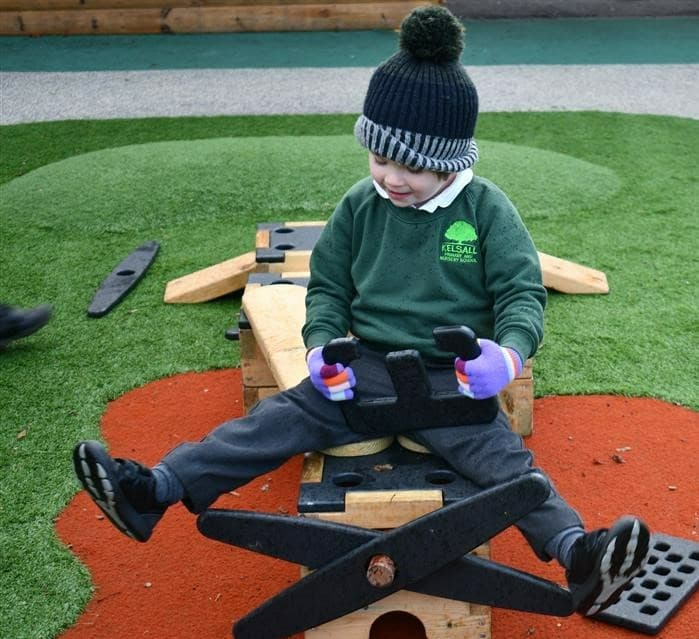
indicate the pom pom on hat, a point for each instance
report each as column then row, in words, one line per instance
column 421, row 107
column 433, row 34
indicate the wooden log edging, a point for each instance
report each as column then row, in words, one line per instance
column 83, row 17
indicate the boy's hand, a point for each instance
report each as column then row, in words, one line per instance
column 333, row 381
column 489, row 373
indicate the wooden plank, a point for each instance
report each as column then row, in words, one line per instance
column 383, row 509
column 211, row 282
column 306, row 223
column 276, row 314
column 127, row 21
column 569, row 277
column 87, row 5
column 558, row 274
column 305, row 17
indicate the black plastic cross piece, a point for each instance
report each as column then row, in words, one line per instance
column 415, row 405
column 429, row 554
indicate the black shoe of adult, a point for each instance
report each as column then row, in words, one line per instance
column 604, row 562
column 16, row 322
column 123, row 489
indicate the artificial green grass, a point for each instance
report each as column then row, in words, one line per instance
column 612, row 191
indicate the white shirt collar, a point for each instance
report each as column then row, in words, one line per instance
column 443, row 199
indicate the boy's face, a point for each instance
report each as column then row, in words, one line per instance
column 406, row 186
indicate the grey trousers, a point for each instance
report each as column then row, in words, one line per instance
column 301, row 419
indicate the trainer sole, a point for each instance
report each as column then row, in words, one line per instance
column 95, row 478
column 623, row 558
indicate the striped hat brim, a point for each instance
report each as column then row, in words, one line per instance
column 416, row 150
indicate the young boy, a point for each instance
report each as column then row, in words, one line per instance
column 420, row 243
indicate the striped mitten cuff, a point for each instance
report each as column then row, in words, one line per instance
column 486, row 375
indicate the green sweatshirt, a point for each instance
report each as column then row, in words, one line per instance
column 389, row 275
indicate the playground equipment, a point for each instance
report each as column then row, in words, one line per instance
column 375, row 509
column 354, row 567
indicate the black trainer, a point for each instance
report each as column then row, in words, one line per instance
column 604, row 561
column 123, row 489
column 17, row 322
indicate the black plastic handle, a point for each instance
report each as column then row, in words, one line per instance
column 457, row 339
column 341, row 350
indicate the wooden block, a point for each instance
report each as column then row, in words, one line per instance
column 517, row 402
column 569, row 277
column 386, row 509
column 211, row 282
column 441, row 618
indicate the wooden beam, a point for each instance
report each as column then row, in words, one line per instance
column 276, row 314
column 383, row 508
column 91, row 5
column 569, row 277
column 211, row 282
column 209, row 19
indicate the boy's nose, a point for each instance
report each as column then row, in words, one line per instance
column 395, row 178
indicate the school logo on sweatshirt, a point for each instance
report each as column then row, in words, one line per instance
column 460, row 244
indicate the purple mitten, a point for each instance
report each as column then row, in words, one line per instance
column 333, row 381
column 490, row 372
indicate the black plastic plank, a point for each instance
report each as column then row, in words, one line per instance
column 395, row 468
column 657, row 592
column 124, row 276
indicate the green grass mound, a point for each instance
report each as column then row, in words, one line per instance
column 617, row 193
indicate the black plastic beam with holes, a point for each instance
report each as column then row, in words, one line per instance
column 657, row 592
column 392, row 469
column 123, row 278
column 284, row 238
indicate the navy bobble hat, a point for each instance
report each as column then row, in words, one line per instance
column 421, row 107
